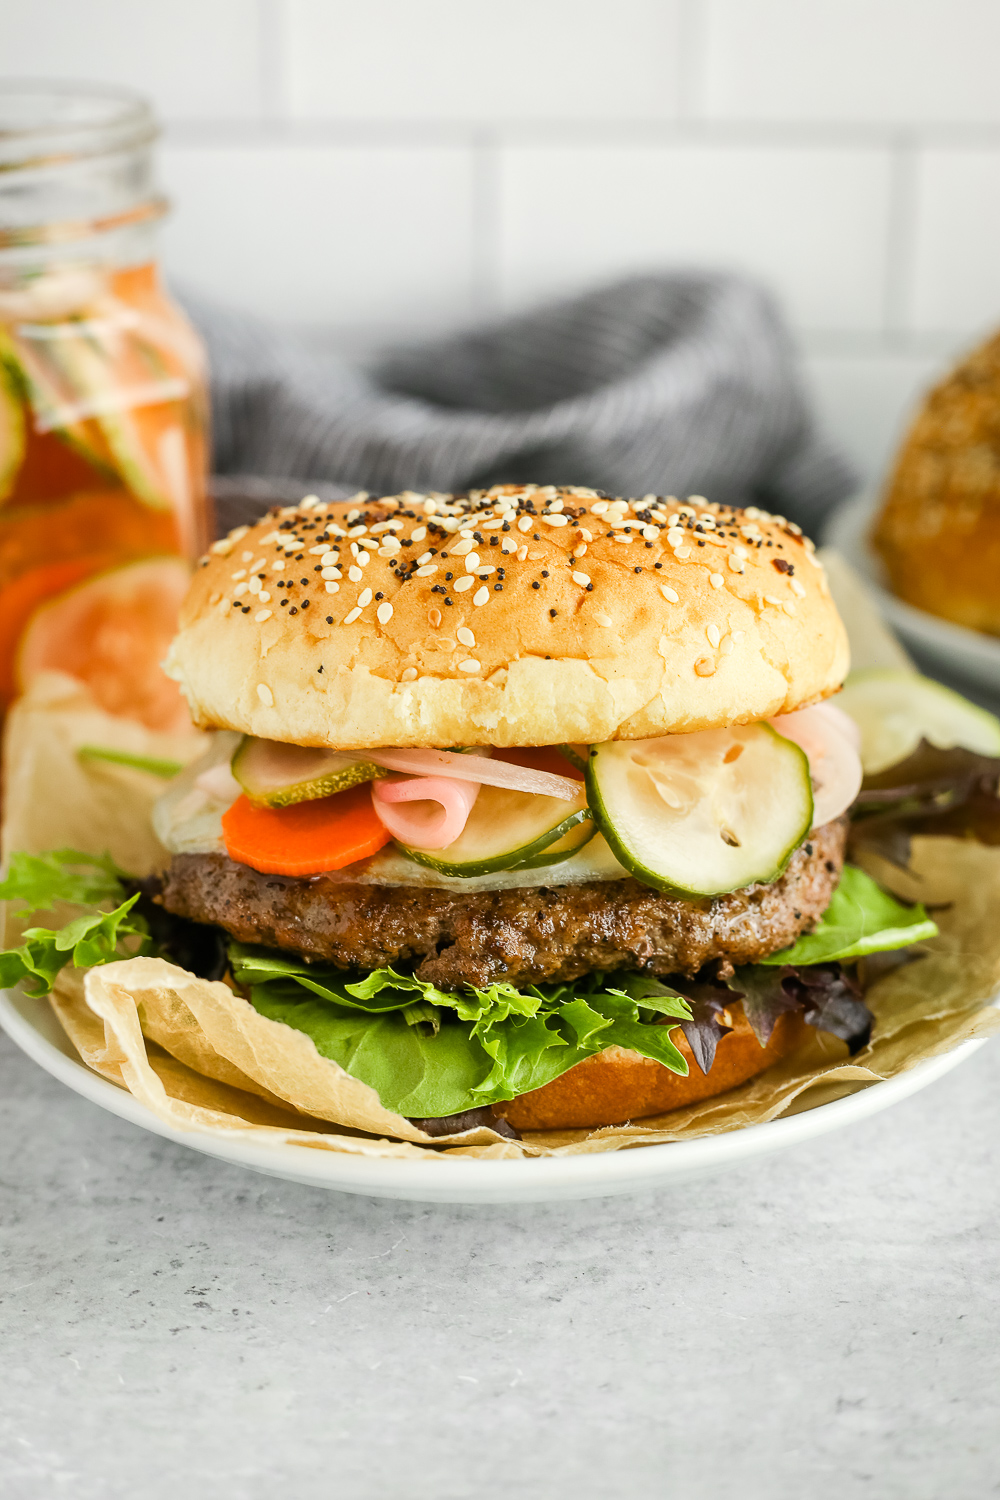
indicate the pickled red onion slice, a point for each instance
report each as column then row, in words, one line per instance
column 837, row 716
column 426, row 812
column 219, row 782
column 834, row 763
column 474, row 767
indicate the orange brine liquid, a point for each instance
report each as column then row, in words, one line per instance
column 102, row 484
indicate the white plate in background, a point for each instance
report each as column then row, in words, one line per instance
column 951, row 652
column 32, row 1025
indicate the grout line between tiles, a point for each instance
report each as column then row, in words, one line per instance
column 272, row 29
column 901, row 239
column 277, row 127
column 692, row 60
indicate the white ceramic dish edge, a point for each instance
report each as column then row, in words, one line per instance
column 439, row 1179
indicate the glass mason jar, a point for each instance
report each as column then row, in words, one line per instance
column 103, row 407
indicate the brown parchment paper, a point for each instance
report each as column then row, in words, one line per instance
column 201, row 1058
column 53, row 800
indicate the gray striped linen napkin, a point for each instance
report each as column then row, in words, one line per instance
column 683, row 383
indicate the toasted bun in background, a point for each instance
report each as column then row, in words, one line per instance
column 939, row 531
column 616, row 1086
column 531, row 623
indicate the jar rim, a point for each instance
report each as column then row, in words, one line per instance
column 47, row 122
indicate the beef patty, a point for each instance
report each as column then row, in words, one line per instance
column 531, row 935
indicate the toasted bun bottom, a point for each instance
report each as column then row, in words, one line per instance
column 616, row 1086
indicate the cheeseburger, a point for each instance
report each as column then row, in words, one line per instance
column 524, row 804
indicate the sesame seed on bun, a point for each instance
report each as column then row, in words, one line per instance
column 521, row 615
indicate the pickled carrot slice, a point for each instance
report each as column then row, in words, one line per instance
column 306, row 838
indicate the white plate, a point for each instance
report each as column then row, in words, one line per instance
column 949, row 651
column 440, row 1179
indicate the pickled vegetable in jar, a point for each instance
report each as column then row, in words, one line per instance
column 103, row 407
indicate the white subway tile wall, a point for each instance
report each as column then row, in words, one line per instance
column 813, row 223
column 349, row 237
column 901, row 61
column 369, row 169
column 485, row 61
column 866, row 400
column 199, row 59
column 956, row 269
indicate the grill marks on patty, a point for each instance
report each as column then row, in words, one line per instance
column 525, row 936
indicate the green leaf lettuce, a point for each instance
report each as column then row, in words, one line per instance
column 452, row 1051
column 38, row 882
column 466, row 1050
column 862, row 918
column 427, row 1052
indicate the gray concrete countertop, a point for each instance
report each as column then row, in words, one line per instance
column 821, row 1323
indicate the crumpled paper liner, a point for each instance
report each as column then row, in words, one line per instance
column 52, row 800
column 231, row 1063
column 110, row 1040
column 921, row 1010
column 201, row 1058
column 180, row 1045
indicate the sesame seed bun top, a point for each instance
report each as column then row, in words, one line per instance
column 521, row 615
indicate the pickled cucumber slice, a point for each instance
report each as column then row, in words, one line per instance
column 35, row 365
column 511, row 830
column 277, row 775
column 12, row 430
column 111, row 391
column 553, row 854
column 122, row 388
column 576, row 755
column 895, row 710
column 699, row 814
